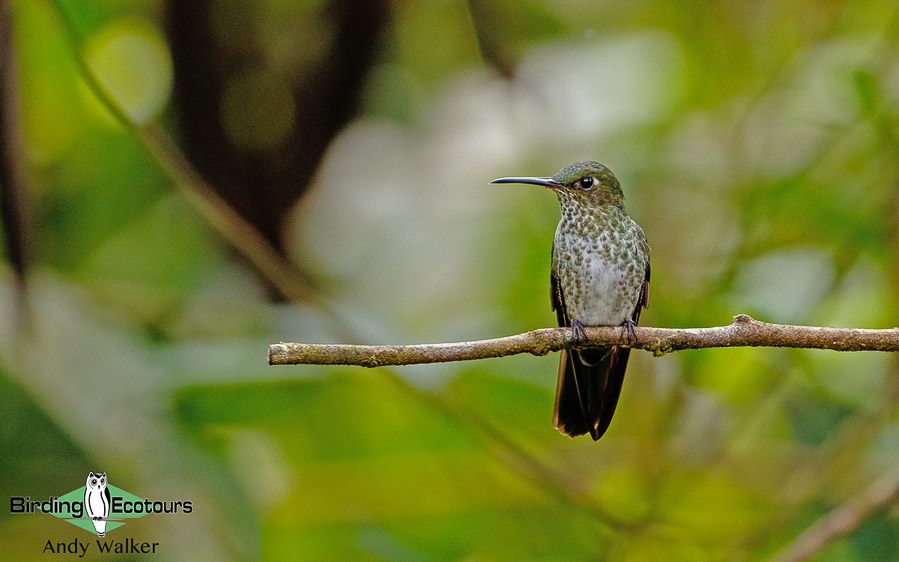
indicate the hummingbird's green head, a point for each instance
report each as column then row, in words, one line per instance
column 588, row 183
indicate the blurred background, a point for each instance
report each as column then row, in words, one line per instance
column 184, row 183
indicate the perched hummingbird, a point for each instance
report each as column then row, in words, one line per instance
column 599, row 277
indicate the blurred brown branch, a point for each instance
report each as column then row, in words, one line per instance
column 262, row 185
column 879, row 495
column 744, row 331
column 14, row 204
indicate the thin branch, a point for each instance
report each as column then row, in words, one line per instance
column 879, row 495
column 742, row 332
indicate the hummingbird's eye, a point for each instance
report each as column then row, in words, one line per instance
column 586, row 183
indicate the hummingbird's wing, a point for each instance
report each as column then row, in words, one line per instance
column 643, row 301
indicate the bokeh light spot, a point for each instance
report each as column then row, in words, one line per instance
column 257, row 110
column 133, row 63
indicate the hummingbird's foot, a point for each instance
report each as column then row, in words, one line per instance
column 578, row 334
column 627, row 332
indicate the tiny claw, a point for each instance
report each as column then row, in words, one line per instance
column 627, row 332
column 577, row 331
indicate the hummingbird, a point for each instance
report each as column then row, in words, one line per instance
column 599, row 277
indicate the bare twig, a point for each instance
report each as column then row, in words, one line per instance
column 742, row 332
column 844, row 519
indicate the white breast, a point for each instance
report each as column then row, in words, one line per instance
column 601, row 287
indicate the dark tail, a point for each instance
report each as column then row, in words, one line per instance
column 588, row 389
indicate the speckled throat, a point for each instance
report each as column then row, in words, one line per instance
column 599, row 256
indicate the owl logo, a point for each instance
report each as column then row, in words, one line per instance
column 96, row 501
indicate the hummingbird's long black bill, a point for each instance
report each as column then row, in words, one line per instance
column 545, row 182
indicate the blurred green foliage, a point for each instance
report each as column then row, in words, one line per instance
column 757, row 144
